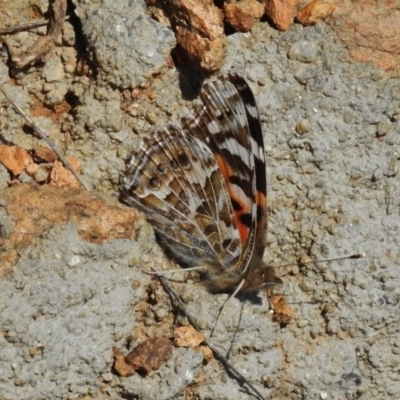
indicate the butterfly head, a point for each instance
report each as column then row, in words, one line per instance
column 260, row 276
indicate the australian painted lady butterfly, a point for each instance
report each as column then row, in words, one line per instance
column 202, row 185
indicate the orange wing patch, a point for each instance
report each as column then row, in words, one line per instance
column 242, row 208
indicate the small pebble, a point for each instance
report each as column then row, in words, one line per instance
column 42, row 174
column 47, row 87
column 302, row 323
column 383, row 128
column 303, row 51
column 151, row 118
column 323, row 395
column 302, row 127
column 74, row 261
column 333, row 327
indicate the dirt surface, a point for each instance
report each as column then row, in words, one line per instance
column 332, row 137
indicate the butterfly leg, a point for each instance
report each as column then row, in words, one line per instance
column 235, row 373
column 269, row 295
column 151, row 271
column 237, row 290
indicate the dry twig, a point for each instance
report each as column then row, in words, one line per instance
column 43, row 135
column 40, row 50
column 228, row 366
column 27, row 26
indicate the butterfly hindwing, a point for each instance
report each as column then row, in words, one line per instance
column 175, row 180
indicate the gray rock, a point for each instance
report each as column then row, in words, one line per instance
column 53, row 70
column 303, row 51
column 128, row 45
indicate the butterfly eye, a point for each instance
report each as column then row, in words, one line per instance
column 228, row 112
column 220, row 116
column 173, row 164
column 183, row 160
column 154, row 183
column 161, row 168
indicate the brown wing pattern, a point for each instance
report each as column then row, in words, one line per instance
column 227, row 119
column 202, row 185
column 175, row 180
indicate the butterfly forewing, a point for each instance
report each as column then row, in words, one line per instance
column 258, row 152
column 227, row 120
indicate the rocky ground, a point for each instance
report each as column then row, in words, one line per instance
column 73, row 284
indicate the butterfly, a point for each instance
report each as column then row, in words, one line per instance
column 202, row 186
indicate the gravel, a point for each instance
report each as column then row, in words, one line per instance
column 331, row 131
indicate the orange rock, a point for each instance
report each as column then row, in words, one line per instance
column 317, row 10
column 202, row 52
column 282, row 312
column 120, row 365
column 147, row 356
column 370, row 29
column 157, row 12
column 201, row 15
column 14, row 158
column 207, row 353
column 45, row 154
column 60, row 176
column 34, row 209
column 281, row 12
column 187, row 336
column 199, row 30
column 31, row 169
column 243, row 14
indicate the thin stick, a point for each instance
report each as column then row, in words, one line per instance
column 26, row 26
column 43, row 135
column 242, row 282
column 228, row 366
column 40, row 50
column 172, row 271
column 352, row 257
column 228, row 354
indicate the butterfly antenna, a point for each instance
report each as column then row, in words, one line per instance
column 352, row 257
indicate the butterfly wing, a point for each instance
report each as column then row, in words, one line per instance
column 174, row 179
column 202, row 184
column 227, row 120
